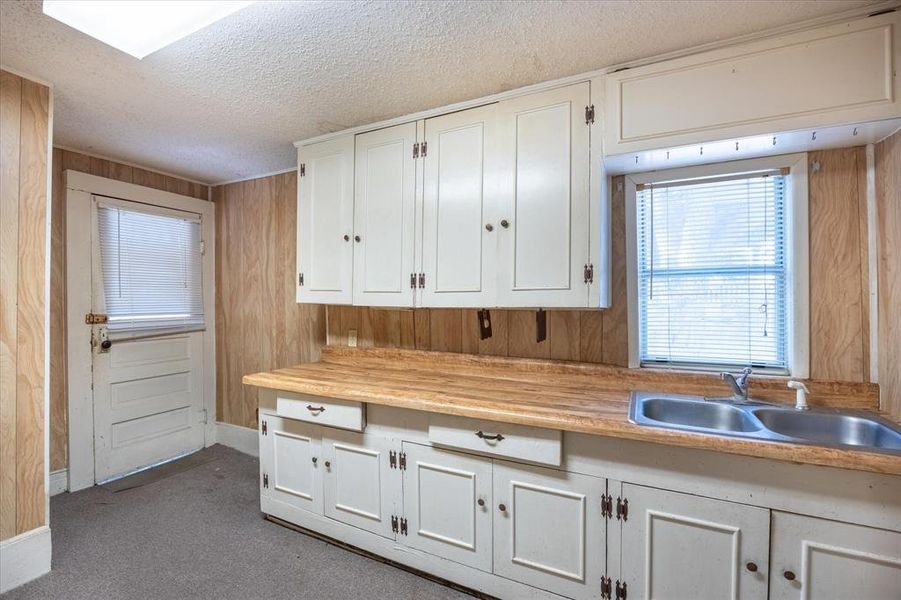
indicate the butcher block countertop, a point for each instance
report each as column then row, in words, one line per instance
column 575, row 397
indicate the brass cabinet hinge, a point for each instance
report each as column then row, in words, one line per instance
column 606, row 506
column 303, row 170
column 620, row 590
column 416, row 150
column 394, row 523
column 392, row 459
column 622, row 509
column 264, row 429
column 403, row 527
column 606, row 588
column 300, row 279
column 265, row 480
column 588, row 273
column 589, row 114
column 402, row 461
column 95, row 319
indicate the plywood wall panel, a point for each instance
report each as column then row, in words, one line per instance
column 615, row 332
column 888, row 219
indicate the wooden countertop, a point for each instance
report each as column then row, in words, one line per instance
column 573, row 397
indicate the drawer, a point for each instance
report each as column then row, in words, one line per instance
column 522, row 442
column 344, row 414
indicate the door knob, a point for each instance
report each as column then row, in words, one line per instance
column 505, row 223
column 790, row 575
column 502, row 507
column 106, row 344
column 752, row 567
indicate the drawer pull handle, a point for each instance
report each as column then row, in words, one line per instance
column 488, row 438
column 315, row 409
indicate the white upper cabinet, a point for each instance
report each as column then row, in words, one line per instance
column 384, row 212
column 543, row 151
column 325, row 213
column 842, row 73
column 459, row 232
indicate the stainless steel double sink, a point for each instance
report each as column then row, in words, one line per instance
column 764, row 421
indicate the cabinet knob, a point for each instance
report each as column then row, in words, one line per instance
column 502, row 507
column 752, row 567
column 328, row 465
column 315, row 460
column 356, row 238
column 346, row 238
column 489, row 227
column 480, row 502
column 505, row 223
column 790, row 575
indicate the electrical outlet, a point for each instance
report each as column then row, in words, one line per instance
column 352, row 338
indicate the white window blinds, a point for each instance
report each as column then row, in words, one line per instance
column 712, row 272
column 151, row 266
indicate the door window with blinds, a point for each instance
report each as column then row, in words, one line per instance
column 713, row 281
column 151, row 265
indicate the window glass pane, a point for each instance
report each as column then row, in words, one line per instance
column 151, row 266
column 712, row 272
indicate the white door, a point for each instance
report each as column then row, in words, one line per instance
column 325, row 221
column 680, row 546
column 543, row 149
column 459, row 238
column 384, row 212
column 447, row 505
column 360, row 486
column 548, row 529
column 290, row 462
column 148, row 367
column 827, row 560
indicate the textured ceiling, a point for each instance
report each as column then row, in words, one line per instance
column 228, row 101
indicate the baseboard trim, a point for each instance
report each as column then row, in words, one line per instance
column 59, row 481
column 242, row 439
column 24, row 557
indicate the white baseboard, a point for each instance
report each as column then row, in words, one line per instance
column 24, row 557
column 59, row 481
column 242, row 439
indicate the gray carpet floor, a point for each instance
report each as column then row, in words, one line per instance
column 200, row 534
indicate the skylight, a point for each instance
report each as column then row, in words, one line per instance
column 140, row 27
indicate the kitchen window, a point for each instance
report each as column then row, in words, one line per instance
column 717, row 266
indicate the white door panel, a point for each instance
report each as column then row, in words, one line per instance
column 551, row 532
column 290, row 460
column 360, row 488
column 325, row 205
column 459, row 251
column 544, row 189
column 826, row 560
column 675, row 545
column 442, row 494
column 384, row 212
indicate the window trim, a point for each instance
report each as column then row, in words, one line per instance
column 797, row 259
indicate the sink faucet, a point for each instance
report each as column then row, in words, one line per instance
column 738, row 384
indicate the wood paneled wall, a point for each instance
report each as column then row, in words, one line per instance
column 64, row 160
column 259, row 325
column 888, row 278
column 24, row 146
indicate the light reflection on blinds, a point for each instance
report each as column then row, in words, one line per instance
column 712, row 272
column 151, row 265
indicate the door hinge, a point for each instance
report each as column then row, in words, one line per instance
column 423, row 149
column 95, row 319
column 422, row 280
column 622, row 509
column 588, row 272
column 300, row 279
column 403, row 527
column 606, row 506
column 416, row 150
column 392, row 459
column 620, row 590
column 394, row 524
column 589, row 114
column 264, row 429
column 202, row 248
column 402, row 461
column 606, row 588
column 303, row 170
column 265, row 480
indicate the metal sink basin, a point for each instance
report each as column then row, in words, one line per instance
column 850, row 429
column 764, row 421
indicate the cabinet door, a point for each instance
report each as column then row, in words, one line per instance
column 548, row 529
column 360, row 487
column 459, row 238
column 543, row 149
column 384, row 212
column 827, row 560
column 290, row 461
column 325, row 213
column 447, row 505
column 676, row 545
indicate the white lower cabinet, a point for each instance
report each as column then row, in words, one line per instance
column 548, row 529
column 360, row 487
column 679, row 546
column 827, row 560
column 447, row 504
column 289, row 461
